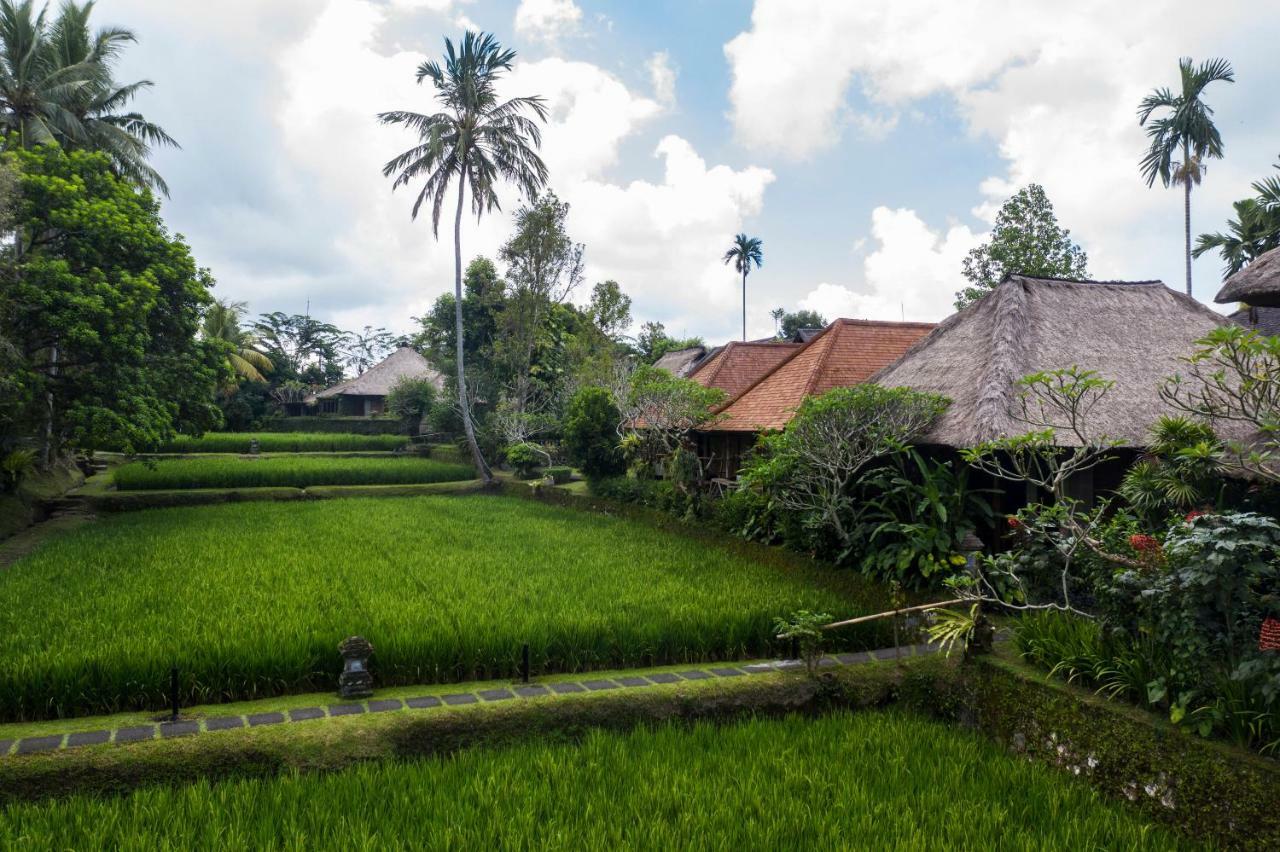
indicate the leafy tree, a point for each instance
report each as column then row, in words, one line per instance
column 103, row 307
column 477, row 139
column 368, row 347
column 1184, row 129
column 411, row 399
column 789, row 324
column 1026, row 240
column 744, row 252
column 544, row 266
column 809, row 469
column 483, row 300
column 302, row 348
column 56, row 85
column 221, row 322
column 660, row 411
column 610, row 309
column 653, row 342
column 1254, row 231
column 591, row 433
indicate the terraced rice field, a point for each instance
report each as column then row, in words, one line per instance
column 866, row 781
column 283, row 442
column 252, row 599
column 284, row 471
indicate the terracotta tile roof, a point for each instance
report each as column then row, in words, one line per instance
column 846, row 353
column 738, row 365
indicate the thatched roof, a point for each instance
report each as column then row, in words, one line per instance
column 845, row 353
column 737, row 365
column 682, row 362
column 1133, row 333
column 1257, row 284
column 1265, row 321
column 379, row 379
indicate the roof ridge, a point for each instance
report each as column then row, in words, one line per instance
column 898, row 323
column 787, row 360
column 817, row 364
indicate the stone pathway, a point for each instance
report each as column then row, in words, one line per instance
column 516, row 692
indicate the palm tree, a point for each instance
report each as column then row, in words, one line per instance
column 744, row 252
column 1186, row 129
column 56, row 86
column 222, row 322
column 479, row 140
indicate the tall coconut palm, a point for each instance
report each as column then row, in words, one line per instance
column 222, row 322
column 1185, row 128
column 479, row 140
column 744, row 252
column 56, row 86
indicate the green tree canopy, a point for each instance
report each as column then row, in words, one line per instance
column 1026, row 240
column 103, row 306
column 1254, row 231
column 789, row 324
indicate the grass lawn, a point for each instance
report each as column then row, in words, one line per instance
column 282, row 442
column 284, row 471
column 866, row 780
column 251, row 600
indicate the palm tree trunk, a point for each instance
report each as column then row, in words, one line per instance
column 463, row 404
column 1186, row 217
column 744, row 306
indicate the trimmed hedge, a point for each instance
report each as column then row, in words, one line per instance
column 348, row 425
column 283, row 442
column 1205, row 789
column 284, row 472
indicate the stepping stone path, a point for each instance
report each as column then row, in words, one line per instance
column 193, row 727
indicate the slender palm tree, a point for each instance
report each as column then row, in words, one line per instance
column 479, row 140
column 56, row 86
column 1185, row 128
column 744, row 252
column 222, row 322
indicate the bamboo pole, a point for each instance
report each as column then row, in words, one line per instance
column 892, row 612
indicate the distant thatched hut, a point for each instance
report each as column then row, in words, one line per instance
column 366, row 395
column 1133, row 333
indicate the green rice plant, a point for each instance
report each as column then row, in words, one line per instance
column 251, row 599
column 284, row 471
column 846, row 781
column 283, row 442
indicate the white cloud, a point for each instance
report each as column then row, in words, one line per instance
column 547, row 20
column 662, row 76
column 1056, row 89
column 913, row 273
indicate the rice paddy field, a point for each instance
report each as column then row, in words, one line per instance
column 251, row 599
column 284, row 471
column 864, row 781
column 283, row 442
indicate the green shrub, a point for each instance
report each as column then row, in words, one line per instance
column 411, row 399
column 329, row 424
column 295, row 472
column 560, row 475
column 14, row 465
column 591, row 433
column 525, row 459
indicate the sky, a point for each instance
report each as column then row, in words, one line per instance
column 868, row 144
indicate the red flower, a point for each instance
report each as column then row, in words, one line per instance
column 1014, row 523
column 1143, row 543
column 1269, row 635
column 1193, row 514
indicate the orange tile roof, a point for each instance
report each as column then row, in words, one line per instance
column 848, row 352
column 739, row 365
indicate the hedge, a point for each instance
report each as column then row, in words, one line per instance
column 349, row 425
column 1205, row 789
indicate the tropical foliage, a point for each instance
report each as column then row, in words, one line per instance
column 477, row 139
column 1182, row 133
column 221, row 323
column 743, row 254
column 1026, row 240
column 1254, row 231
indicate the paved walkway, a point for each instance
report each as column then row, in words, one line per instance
column 517, row 692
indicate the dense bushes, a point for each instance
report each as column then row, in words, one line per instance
column 411, row 399
column 591, row 434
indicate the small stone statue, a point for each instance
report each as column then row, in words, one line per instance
column 253, row 446
column 355, row 681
